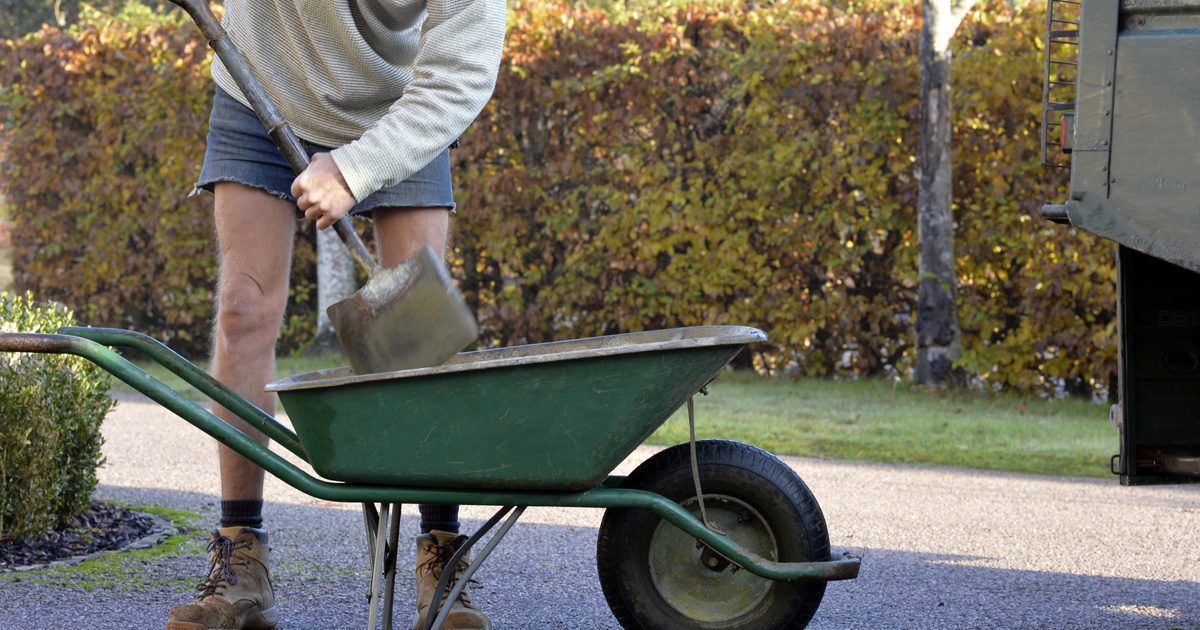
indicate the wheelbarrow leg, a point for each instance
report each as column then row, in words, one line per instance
column 371, row 521
column 389, row 567
column 382, row 537
column 432, row 623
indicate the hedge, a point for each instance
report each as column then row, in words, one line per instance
column 636, row 169
column 104, row 137
column 734, row 166
column 20, row 17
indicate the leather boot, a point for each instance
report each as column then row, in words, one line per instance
column 237, row 593
column 433, row 554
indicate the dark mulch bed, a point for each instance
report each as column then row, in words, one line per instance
column 100, row 528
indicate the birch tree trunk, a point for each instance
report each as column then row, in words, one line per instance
column 939, row 340
column 335, row 282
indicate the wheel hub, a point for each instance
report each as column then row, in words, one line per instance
column 700, row 583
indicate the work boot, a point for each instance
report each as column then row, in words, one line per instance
column 237, row 593
column 433, row 554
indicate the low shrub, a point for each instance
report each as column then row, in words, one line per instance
column 51, row 408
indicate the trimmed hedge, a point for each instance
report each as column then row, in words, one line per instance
column 734, row 166
column 635, row 170
column 51, row 408
column 20, row 17
column 104, row 136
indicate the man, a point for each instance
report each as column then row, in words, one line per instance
column 377, row 89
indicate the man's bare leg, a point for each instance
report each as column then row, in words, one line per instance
column 255, row 231
column 254, row 235
column 400, row 233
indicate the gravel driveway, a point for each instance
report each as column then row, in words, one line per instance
column 943, row 548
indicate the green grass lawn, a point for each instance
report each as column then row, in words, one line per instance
column 875, row 420
column 881, row 421
column 286, row 366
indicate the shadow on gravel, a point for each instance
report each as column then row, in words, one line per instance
column 543, row 576
column 898, row 589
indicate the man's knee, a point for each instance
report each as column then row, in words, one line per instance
column 246, row 309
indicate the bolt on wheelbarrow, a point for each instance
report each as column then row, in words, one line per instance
column 704, row 534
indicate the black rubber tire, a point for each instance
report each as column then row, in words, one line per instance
column 744, row 473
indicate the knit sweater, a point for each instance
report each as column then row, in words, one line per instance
column 390, row 83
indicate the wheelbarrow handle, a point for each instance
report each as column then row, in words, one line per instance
column 281, row 132
column 36, row 343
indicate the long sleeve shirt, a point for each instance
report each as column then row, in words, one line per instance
column 389, row 83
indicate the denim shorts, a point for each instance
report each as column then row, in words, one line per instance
column 239, row 150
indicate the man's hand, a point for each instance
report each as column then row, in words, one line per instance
column 321, row 192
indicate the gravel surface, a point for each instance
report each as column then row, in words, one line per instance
column 943, row 549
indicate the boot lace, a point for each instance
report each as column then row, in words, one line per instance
column 436, row 563
column 221, row 574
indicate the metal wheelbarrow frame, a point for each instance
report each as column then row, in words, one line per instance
column 382, row 522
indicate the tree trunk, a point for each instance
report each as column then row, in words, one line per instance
column 939, row 340
column 335, row 282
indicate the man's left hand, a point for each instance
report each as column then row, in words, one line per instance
column 321, row 192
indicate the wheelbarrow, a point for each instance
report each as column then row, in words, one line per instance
column 705, row 534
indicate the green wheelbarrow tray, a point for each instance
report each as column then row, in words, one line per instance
column 548, row 416
column 596, row 398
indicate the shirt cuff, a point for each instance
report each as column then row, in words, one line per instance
column 355, row 170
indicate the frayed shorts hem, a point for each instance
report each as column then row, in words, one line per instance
column 240, row 151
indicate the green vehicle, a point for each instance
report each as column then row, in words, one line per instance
column 1122, row 111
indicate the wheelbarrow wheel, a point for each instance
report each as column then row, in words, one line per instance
column 655, row 576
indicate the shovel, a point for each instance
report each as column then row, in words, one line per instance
column 407, row 316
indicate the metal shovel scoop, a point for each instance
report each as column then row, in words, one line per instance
column 406, row 316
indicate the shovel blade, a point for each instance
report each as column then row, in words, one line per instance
column 407, row 316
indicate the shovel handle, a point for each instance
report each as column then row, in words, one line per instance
column 280, row 131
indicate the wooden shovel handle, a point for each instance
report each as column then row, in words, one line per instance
column 280, row 131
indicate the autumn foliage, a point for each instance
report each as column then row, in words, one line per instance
column 635, row 170
column 103, row 140
column 732, row 166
